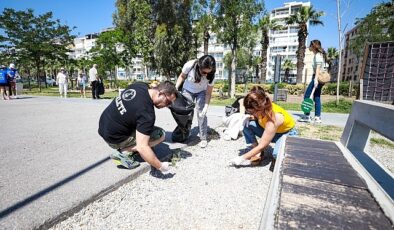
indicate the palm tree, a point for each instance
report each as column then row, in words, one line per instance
column 332, row 54
column 265, row 25
column 302, row 17
column 287, row 66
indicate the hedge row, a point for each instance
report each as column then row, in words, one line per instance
column 328, row 89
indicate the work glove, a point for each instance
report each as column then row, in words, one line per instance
column 204, row 111
column 245, row 121
column 240, row 161
column 165, row 167
column 316, row 83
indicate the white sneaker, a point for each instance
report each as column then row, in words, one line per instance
column 203, row 144
column 305, row 119
column 317, row 120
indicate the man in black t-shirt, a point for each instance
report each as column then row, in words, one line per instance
column 127, row 124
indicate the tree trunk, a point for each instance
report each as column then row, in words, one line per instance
column 233, row 72
column 264, row 48
column 206, row 42
column 302, row 33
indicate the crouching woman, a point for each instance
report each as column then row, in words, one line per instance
column 272, row 124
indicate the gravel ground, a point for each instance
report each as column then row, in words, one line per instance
column 383, row 154
column 203, row 193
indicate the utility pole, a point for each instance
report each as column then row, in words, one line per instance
column 340, row 49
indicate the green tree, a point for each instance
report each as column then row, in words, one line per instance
column 136, row 20
column 332, row 54
column 34, row 38
column 377, row 26
column 203, row 19
column 108, row 52
column 235, row 19
column 287, row 66
column 304, row 15
column 266, row 24
column 173, row 36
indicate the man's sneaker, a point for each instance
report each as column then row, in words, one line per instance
column 124, row 160
column 305, row 118
column 203, row 143
column 317, row 119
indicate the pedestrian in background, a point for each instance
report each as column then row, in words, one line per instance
column 81, row 81
column 3, row 82
column 198, row 76
column 314, row 88
column 62, row 82
column 94, row 81
column 12, row 75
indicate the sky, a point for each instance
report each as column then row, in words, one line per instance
column 91, row 16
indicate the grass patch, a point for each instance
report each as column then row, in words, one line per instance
column 54, row 92
column 322, row 132
column 381, row 142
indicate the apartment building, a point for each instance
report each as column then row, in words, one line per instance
column 82, row 46
column 285, row 42
column 351, row 63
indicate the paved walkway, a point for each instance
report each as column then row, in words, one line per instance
column 54, row 162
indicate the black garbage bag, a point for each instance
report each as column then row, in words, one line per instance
column 101, row 89
column 182, row 110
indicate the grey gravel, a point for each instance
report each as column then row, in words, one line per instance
column 204, row 193
column 381, row 153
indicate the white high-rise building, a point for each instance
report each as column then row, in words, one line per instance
column 283, row 42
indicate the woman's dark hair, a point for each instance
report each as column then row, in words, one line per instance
column 204, row 62
column 316, row 44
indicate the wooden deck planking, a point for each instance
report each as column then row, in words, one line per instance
column 320, row 190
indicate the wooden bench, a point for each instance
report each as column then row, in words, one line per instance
column 333, row 185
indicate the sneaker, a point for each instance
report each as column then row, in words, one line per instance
column 317, row 120
column 124, row 160
column 305, row 118
column 203, row 143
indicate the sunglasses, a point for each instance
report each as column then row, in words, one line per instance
column 204, row 72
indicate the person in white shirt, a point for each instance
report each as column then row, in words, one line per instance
column 62, row 82
column 198, row 76
column 314, row 88
column 81, row 81
column 94, row 81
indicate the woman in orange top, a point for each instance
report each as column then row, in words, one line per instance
column 272, row 125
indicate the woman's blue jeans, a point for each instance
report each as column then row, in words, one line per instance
column 316, row 96
column 255, row 130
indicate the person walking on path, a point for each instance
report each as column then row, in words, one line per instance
column 81, row 81
column 62, row 82
column 272, row 124
column 127, row 124
column 12, row 75
column 198, row 77
column 314, row 88
column 94, row 81
column 3, row 82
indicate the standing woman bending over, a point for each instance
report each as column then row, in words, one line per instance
column 198, row 76
column 272, row 124
column 319, row 57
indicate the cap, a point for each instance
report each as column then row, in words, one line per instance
column 12, row 65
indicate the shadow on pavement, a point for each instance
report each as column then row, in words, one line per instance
column 28, row 200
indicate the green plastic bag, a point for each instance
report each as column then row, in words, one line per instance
column 307, row 105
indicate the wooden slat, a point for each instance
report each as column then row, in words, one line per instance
column 320, row 190
column 310, row 204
